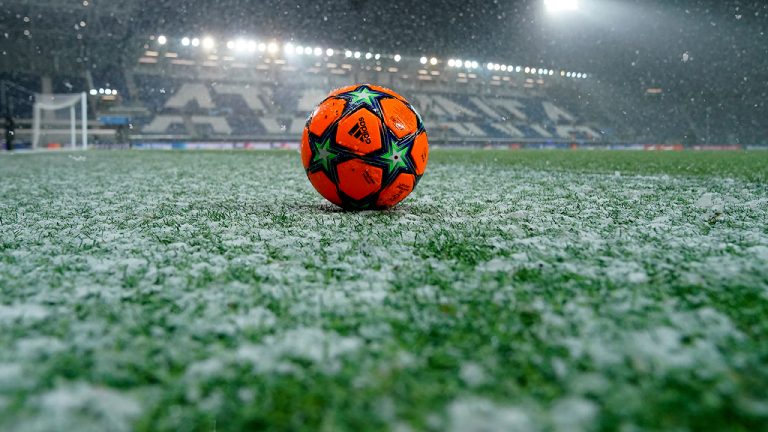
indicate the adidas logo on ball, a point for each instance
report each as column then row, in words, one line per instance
column 360, row 132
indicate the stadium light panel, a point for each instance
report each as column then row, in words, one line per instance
column 162, row 40
column 195, row 42
column 503, row 68
column 578, row 75
column 555, row 6
column 329, row 52
column 562, row 73
column 377, row 56
column 518, row 69
column 551, row 72
column 262, row 46
column 368, row 56
column 317, row 51
column 527, row 69
column 231, row 44
column 357, row 54
column 101, row 91
column 489, row 66
column 397, row 57
column 433, row 61
column 94, row 92
column 584, row 76
column 185, row 41
column 288, row 48
column 114, row 91
column 348, row 54
column 467, row 64
column 451, row 63
column 475, row 64
column 307, row 50
column 299, row 50
column 423, row 60
column 208, row 43
column 272, row 47
column 497, row 67
column 108, row 92
column 567, row 74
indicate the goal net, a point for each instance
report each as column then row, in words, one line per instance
column 54, row 121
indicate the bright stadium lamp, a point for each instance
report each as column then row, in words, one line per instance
column 231, row 44
column 377, row 56
column 307, row 50
column 368, row 56
column 347, row 53
column 299, row 50
column 161, row 40
column 397, row 57
column 329, row 52
column 272, row 47
column 318, row 51
column 208, row 42
column 288, row 48
column 262, row 46
column 195, row 42
column 467, row 64
column 423, row 60
column 357, row 54
column 433, row 61
column 185, row 41
column 555, row 6
column 94, row 92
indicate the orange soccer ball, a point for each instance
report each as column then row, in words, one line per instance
column 364, row 147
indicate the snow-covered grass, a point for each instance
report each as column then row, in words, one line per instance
column 512, row 291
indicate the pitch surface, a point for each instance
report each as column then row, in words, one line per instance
column 511, row 291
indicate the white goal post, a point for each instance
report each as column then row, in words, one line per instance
column 57, row 102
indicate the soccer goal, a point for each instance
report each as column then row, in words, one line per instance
column 51, row 126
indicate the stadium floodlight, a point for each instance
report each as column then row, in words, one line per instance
column 252, row 46
column 527, row 69
column 489, row 66
column 348, row 54
column 318, row 51
column 503, row 68
column 518, row 68
column 108, row 92
column 423, row 60
column 162, row 40
column 562, row 73
column 567, row 74
column 272, row 47
column 377, row 56
column 262, row 46
column 451, row 62
column 551, row 72
column 114, row 91
column 185, row 41
column 231, row 44
column 94, row 92
column 467, row 64
column 299, row 50
column 368, row 56
column 357, row 54
column 497, row 67
column 475, row 64
column 208, row 42
column 329, row 52
column 554, row 6
column 307, row 50
column 101, row 91
column 288, row 48
column 195, row 42
column 433, row 61
column 584, row 76
column 397, row 57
